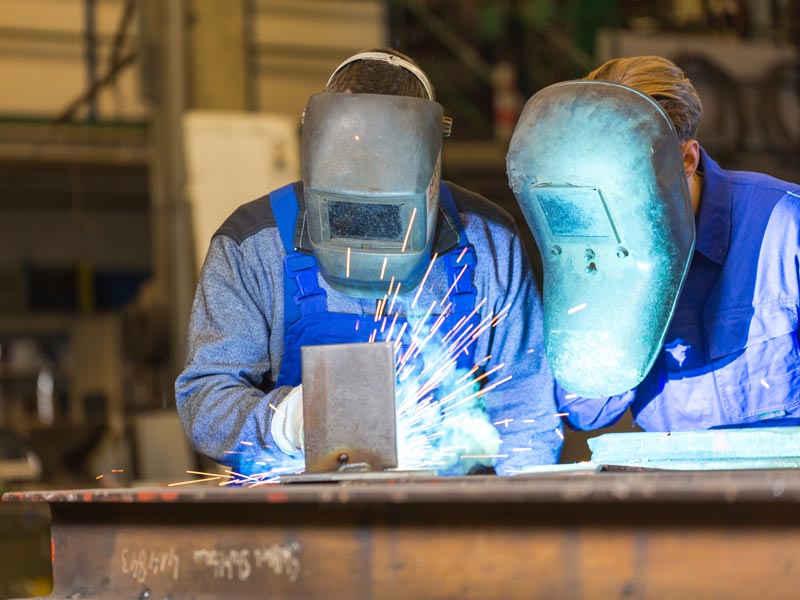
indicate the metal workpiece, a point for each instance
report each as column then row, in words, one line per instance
column 656, row 534
column 349, row 414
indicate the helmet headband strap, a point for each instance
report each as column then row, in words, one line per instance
column 393, row 60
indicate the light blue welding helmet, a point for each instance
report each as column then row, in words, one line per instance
column 598, row 172
column 371, row 173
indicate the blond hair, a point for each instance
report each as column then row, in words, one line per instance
column 662, row 80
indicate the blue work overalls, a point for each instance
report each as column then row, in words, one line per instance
column 307, row 321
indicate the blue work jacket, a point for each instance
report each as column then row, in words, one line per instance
column 731, row 355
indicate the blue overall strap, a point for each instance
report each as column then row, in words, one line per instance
column 464, row 292
column 301, row 292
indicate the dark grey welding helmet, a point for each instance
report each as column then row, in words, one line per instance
column 598, row 172
column 371, row 172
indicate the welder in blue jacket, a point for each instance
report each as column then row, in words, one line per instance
column 730, row 356
column 370, row 246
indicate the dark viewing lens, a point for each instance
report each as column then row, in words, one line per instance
column 365, row 221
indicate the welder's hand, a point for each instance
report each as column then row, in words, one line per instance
column 287, row 423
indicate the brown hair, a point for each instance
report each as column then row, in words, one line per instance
column 662, row 80
column 378, row 77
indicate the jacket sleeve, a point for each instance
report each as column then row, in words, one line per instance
column 587, row 414
column 523, row 408
column 224, row 413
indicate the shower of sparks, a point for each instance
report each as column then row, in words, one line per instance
column 468, row 374
column 379, row 309
column 422, row 283
column 575, row 309
column 347, row 266
column 408, row 231
column 455, row 283
column 480, row 393
column 99, row 477
column 558, row 431
column 276, row 409
column 421, row 323
column 117, row 470
column 383, row 268
column 394, row 298
column 190, row 481
column 561, row 414
column 453, row 394
column 460, row 256
column 235, row 478
column 399, row 336
column 246, row 443
column 570, row 396
column 428, row 425
column 504, row 422
column 391, row 328
column 466, row 456
column 765, row 383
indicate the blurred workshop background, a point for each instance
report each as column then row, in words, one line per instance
column 129, row 129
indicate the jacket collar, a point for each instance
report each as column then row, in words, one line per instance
column 713, row 222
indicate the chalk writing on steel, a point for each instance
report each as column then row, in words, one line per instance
column 226, row 563
column 240, row 563
column 143, row 563
column 280, row 559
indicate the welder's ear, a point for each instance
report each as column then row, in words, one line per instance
column 691, row 156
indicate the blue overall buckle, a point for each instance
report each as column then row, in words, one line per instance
column 463, row 295
column 310, row 297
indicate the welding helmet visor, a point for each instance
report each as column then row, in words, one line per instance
column 371, row 173
column 598, row 172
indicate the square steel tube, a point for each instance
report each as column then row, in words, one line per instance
column 349, row 414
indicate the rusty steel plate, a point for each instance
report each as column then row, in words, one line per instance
column 605, row 535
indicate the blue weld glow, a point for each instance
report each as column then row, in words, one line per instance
column 442, row 422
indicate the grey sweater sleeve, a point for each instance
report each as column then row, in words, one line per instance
column 223, row 408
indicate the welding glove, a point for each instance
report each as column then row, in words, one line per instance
column 287, row 423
